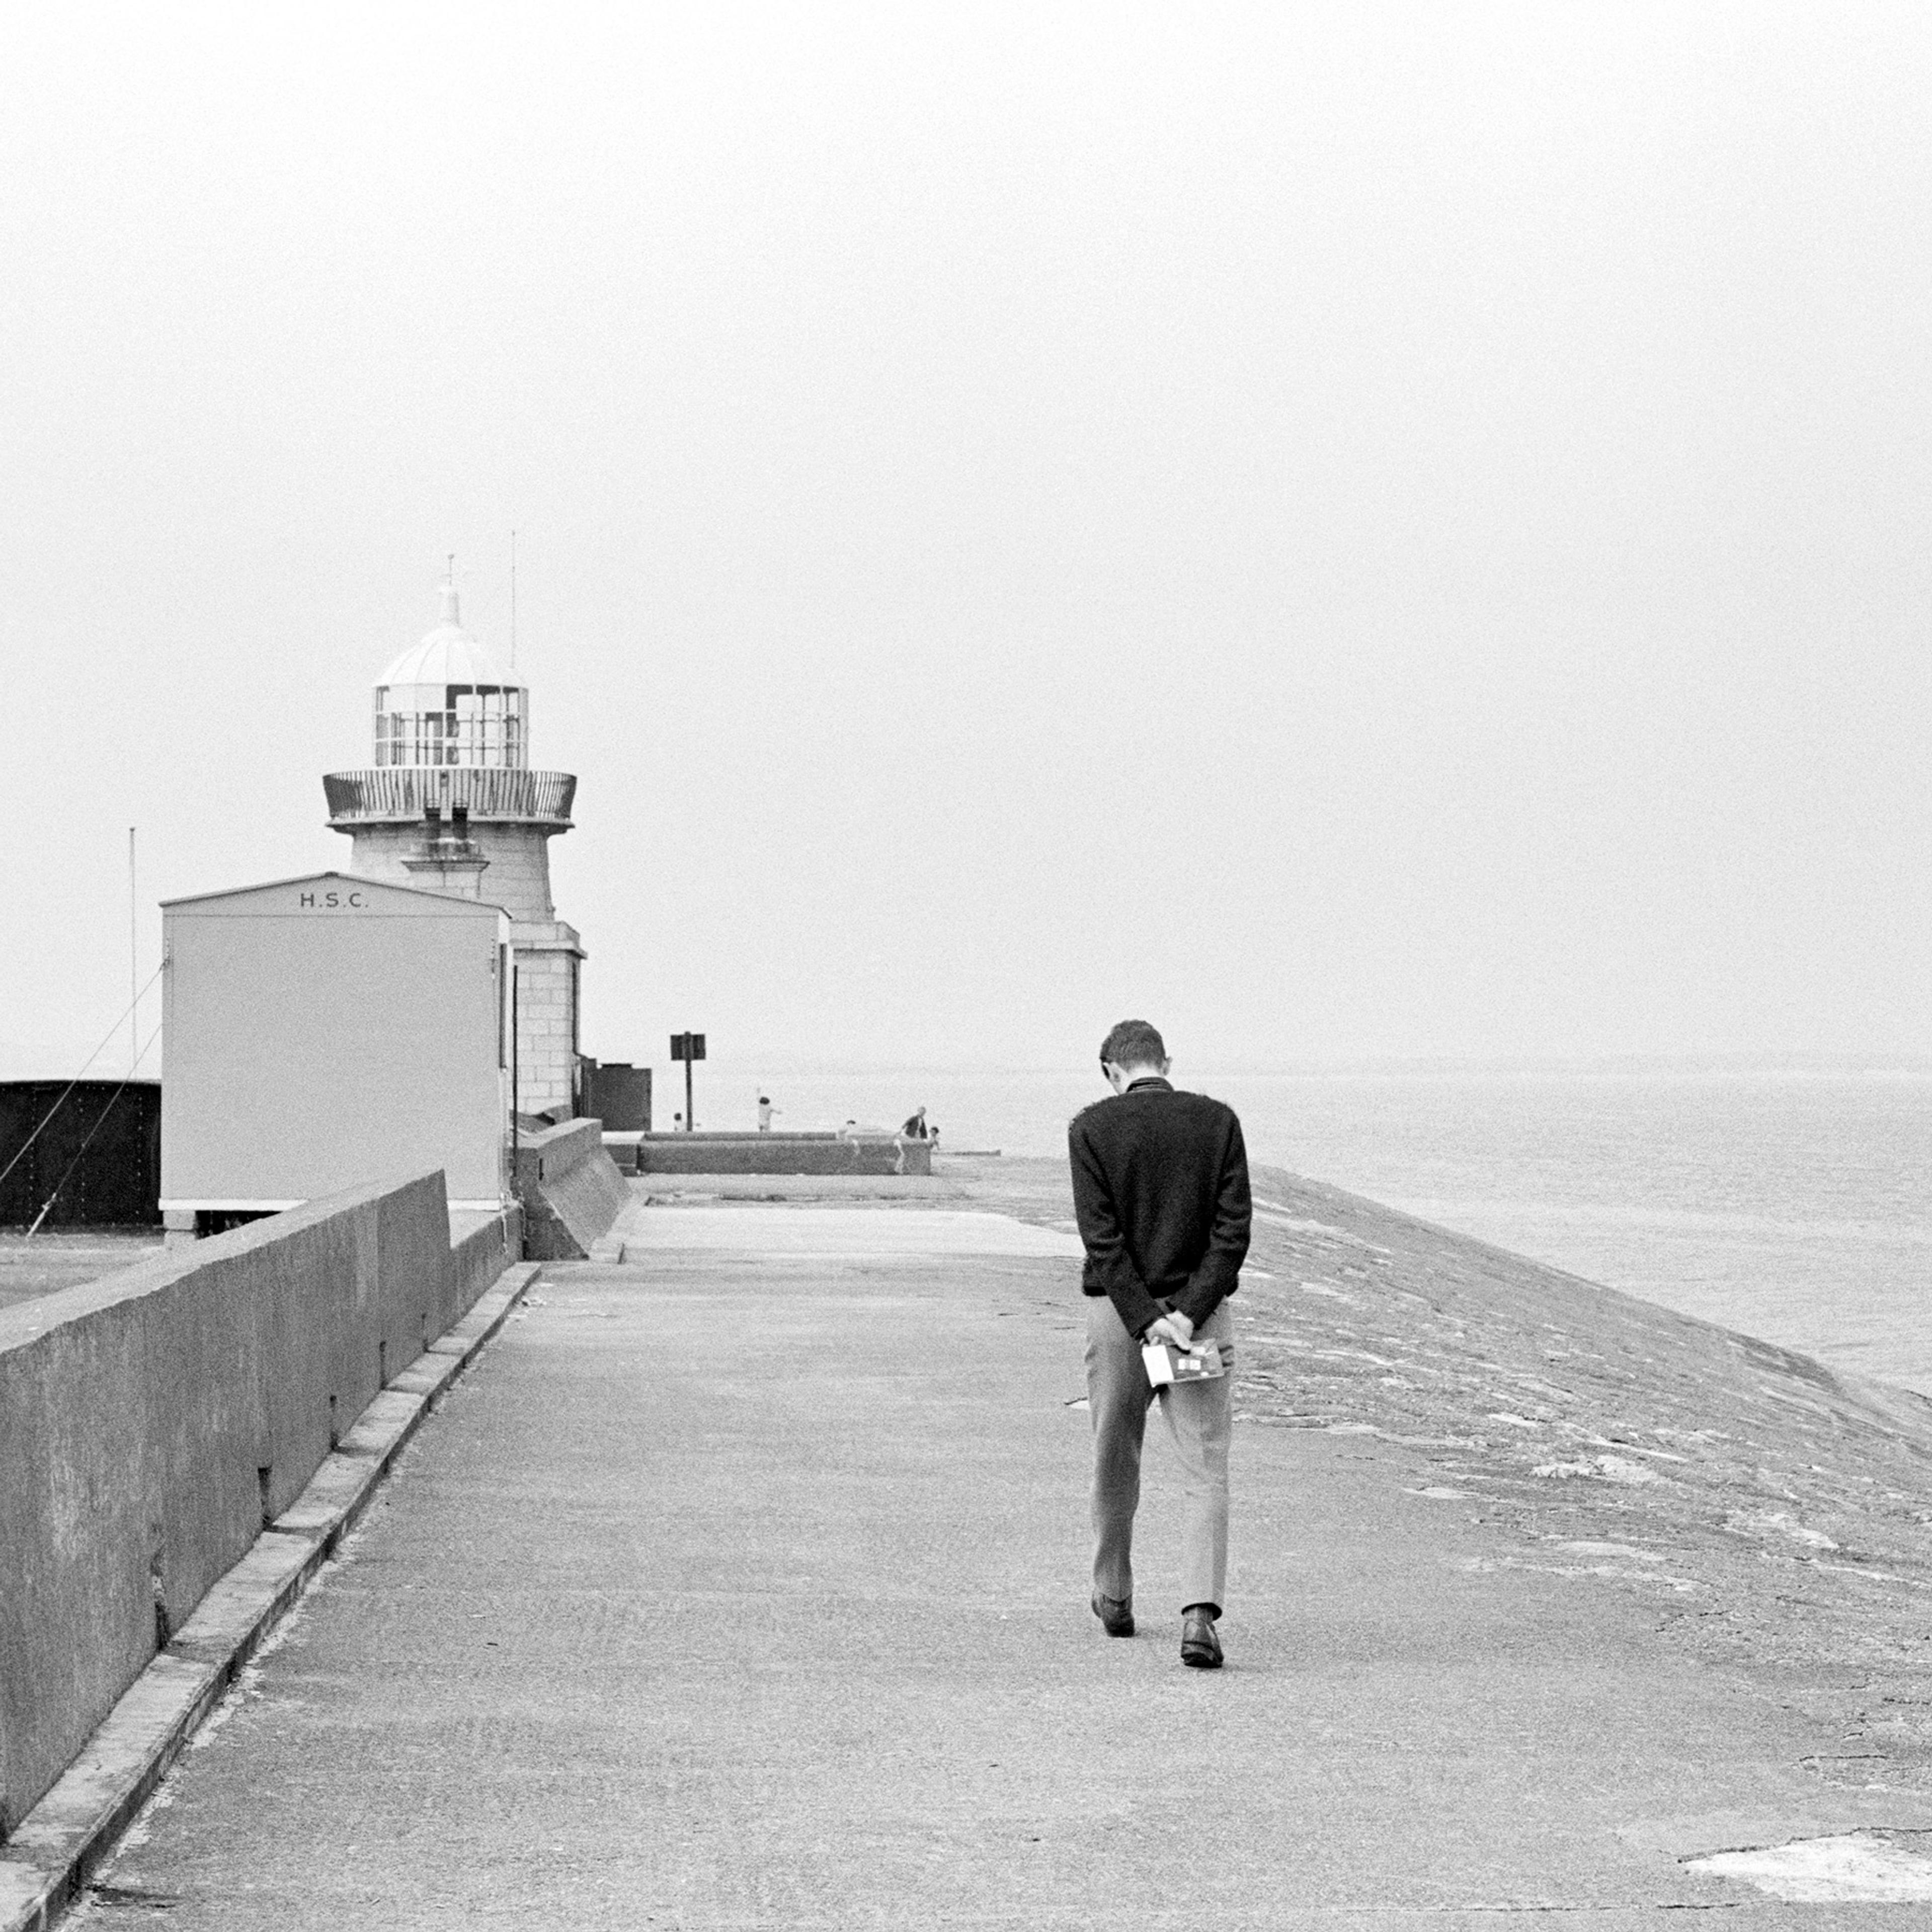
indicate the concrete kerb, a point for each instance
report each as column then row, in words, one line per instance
column 47, row 1863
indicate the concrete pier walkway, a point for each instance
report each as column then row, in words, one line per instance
column 743, row 1584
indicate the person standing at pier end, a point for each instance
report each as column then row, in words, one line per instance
column 1160, row 1186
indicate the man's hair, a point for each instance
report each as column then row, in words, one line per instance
column 1133, row 1043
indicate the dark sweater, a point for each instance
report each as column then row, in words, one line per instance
column 1160, row 1184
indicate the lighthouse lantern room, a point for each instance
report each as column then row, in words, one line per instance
column 450, row 804
column 444, row 701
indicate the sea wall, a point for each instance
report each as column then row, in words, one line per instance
column 1776, row 1516
column 1773, row 1514
column 151, row 1423
column 771, row 1153
column 570, row 1189
column 481, row 1247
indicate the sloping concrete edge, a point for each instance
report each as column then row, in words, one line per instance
column 570, row 1189
column 46, row 1865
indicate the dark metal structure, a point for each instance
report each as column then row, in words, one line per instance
column 98, row 1158
column 617, row 1093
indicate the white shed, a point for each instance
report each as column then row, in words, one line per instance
column 324, row 1031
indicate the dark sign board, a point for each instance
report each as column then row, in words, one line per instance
column 687, row 1046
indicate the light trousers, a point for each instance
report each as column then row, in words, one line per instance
column 1200, row 1420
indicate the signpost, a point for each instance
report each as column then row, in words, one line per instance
column 688, row 1047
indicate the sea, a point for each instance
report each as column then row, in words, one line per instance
column 1790, row 1203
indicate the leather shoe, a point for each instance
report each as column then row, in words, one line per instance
column 1199, row 1646
column 1117, row 1615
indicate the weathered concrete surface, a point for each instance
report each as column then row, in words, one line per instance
column 151, row 1421
column 852, row 1234
column 570, row 1189
column 874, row 1188
column 56, row 1258
column 57, row 1846
column 747, row 1588
column 481, row 1245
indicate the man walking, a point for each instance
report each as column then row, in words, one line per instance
column 1160, row 1185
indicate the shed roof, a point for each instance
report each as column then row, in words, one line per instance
column 373, row 895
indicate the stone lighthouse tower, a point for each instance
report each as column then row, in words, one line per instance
column 451, row 804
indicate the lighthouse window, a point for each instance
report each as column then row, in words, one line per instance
column 476, row 725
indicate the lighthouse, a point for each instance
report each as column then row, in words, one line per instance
column 450, row 804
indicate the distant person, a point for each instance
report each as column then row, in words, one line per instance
column 1160, row 1186
column 766, row 1111
column 914, row 1129
column 677, row 1123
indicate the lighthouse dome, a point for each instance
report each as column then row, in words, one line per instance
column 449, row 654
column 446, row 700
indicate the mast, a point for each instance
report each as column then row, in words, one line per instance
column 133, row 960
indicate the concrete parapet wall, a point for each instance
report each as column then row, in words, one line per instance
column 570, row 1189
column 772, row 1153
column 480, row 1252
column 152, row 1422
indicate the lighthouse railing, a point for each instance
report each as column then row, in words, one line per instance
column 407, row 791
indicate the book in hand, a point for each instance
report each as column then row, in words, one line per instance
column 1166, row 1363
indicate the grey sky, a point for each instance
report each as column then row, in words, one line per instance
column 1353, row 530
